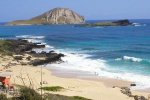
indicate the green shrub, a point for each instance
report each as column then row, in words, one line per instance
column 79, row 98
column 6, row 47
column 52, row 88
column 62, row 97
column 3, row 97
column 29, row 94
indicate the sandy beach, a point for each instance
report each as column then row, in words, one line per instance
column 95, row 89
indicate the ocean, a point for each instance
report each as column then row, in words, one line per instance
column 121, row 52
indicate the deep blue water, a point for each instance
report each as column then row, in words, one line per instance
column 124, row 49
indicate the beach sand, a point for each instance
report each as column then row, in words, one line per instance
column 95, row 89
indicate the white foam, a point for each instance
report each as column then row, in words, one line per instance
column 101, row 68
column 98, row 67
column 136, row 24
column 118, row 59
column 30, row 37
column 128, row 58
column 133, row 59
column 98, row 27
column 37, row 39
column 80, row 62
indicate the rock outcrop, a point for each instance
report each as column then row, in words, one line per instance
column 54, row 16
column 19, row 48
column 122, row 22
column 109, row 23
column 127, row 91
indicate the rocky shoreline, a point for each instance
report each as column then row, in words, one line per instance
column 22, row 49
column 23, row 56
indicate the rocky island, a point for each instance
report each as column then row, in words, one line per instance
column 124, row 22
column 54, row 16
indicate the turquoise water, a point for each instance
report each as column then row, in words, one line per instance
column 122, row 52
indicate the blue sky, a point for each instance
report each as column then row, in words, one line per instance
column 91, row 9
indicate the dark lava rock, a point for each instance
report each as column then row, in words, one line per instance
column 139, row 98
column 52, row 51
column 38, row 45
column 106, row 23
column 126, row 91
column 45, row 54
column 29, row 58
column 132, row 84
column 18, row 57
column 21, row 46
column 32, row 52
column 37, row 62
column 122, row 22
column 50, row 58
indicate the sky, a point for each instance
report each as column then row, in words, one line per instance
column 91, row 9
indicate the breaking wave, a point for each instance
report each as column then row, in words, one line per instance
column 131, row 59
column 99, row 67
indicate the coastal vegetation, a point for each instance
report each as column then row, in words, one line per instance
column 3, row 97
column 27, row 22
column 52, row 88
column 62, row 97
column 6, row 47
column 26, row 93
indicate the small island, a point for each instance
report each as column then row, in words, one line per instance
column 125, row 22
column 54, row 16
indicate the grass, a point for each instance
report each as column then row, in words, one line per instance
column 26, row 22
column 79, row 98
column 62, row 97
column 3, row 97
column 30, row 94
column 52, row 88
column 6, row 47
column 105, row 24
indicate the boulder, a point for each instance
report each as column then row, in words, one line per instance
column 139, row 98
column 28, row 58
column 126, row 91
column 50, row 58
column 133, row 84
column 18, row 57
